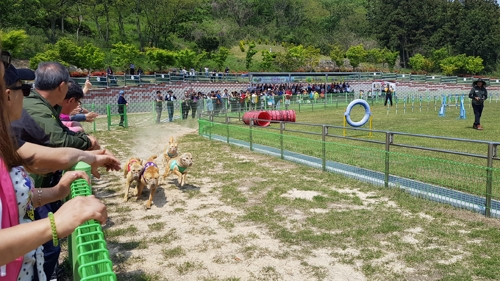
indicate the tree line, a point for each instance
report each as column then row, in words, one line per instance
column 426, row 35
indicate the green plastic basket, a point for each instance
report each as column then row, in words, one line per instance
column 87, row 247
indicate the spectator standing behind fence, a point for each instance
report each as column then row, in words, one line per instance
column 255, row 100
column 132, row 69
column 109, row 71
column 209, row 102
column 478, row 94
column 288, row 98
column 185, row 105
column 194, row 103
column 122, row 103
column 200, row 103
column 388, row 94
column 158, row 106
column 169, row 98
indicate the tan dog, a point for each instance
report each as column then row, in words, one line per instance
column 150, row 178
column 170, row 151
column 132, row 172
column 179, row 167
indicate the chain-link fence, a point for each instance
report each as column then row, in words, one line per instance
column 456, row 182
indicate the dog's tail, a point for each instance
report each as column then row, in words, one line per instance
column 172, row 140
column 150, row 159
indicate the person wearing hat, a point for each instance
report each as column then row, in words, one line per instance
column 185, row 105
column 122, row 103
column 169, row 98
column 158, row 106
column 16, row 89
column 478, row 94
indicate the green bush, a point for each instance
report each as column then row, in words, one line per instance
column 14, row 42
column 242, row 46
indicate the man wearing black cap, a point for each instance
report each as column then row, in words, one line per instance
column 169, row 98
column 14, row 81
column 478, row 94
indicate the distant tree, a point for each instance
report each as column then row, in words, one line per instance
column 188, row 58
column 220, row 57
column 474, row 65
column 14, row 41
column 161, row 58
column 90, row 57
column 390, row 58
column 250, row 53
column 49, row 55
column 267, row 59
column 242, row 46
column 450, row 65
column 439, row 55
column 418, row 62
column 208, row 43
column 356, row 55
column 375, row 55
column 124, row 55
column 68, row 51
column 337, row 55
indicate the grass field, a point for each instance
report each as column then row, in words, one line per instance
column 245, row 216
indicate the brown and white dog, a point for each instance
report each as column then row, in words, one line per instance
column 170, row 151
column 150, row 178
column 132, row 172
column 179, row 167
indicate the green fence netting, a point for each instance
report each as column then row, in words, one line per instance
column 454, row 182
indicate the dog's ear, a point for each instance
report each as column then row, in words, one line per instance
column 171, row 140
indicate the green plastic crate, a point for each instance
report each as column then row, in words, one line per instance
column 87, row 247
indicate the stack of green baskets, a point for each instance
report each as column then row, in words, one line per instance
column 87, row 248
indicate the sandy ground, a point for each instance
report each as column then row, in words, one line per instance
column 209, row 250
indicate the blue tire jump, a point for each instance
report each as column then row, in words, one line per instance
column 365, row 118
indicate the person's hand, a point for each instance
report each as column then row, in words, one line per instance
column 87, row 86
column 62, row 189
column 89, row 117
column 477, row 98
column 77, row 211
column 95, row 145
column 104, row 160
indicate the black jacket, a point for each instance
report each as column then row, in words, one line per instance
column 479, row 92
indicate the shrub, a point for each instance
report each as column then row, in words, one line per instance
column 242, row 46
column 98, row 73
column 77, row 74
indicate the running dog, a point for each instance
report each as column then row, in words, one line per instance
column 179, row 167
column 170, row 151
column 132, row 172
column 150, row 178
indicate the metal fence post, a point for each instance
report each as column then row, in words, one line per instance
column 93, row 110
column 489, row 177
column 324, row 132
column 108, row 113
column 251, row 137
column 388, row 141
column 282, row 128
column 227, row 128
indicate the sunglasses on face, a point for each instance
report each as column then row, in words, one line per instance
column 26, row 88
column 6, row 58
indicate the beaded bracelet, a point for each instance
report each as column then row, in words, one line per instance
column 39, row 197
column 55, row 239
